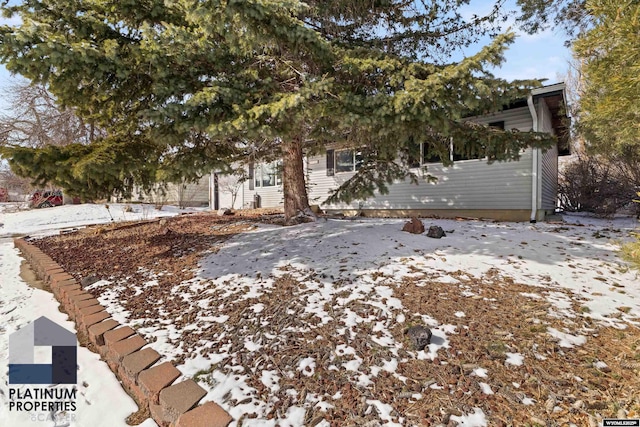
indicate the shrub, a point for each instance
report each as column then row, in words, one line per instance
column 631, row 251
column 596, row 184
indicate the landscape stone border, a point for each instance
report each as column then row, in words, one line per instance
column 138, row 367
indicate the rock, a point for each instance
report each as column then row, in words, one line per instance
column 414, row 226
column 419, row 336
column 436, row 232
column 222, row 212
column 89, row 280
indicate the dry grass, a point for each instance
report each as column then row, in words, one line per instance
column 554, row 386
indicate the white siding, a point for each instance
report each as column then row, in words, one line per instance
column 468, row 184
column 516, row 118
column 548, row 188
column 270, row 197
column 227, row 185
column 193, row 194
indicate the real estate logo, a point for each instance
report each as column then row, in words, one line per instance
column 43, row 352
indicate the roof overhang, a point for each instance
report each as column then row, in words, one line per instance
column 554, row 96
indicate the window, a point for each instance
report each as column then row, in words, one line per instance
column 428, row 156
column 268, row 174
column 481, row 154
column 421, row 154
column 347, row 160
column 460, row 156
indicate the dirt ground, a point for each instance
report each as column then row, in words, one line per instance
column 557, row 386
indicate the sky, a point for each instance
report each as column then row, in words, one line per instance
column 542, row 55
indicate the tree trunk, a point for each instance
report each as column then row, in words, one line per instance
column 296, row 202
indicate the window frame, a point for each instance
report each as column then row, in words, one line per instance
column 259, row 174
column 356, row 163
column 422, row 161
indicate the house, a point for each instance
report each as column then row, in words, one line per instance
column 187, row 194
column 520, row 190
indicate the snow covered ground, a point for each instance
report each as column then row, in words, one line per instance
column 242, row 312
column 100, row 399
column 580, row 255
column 340, row 262
column 272, row 288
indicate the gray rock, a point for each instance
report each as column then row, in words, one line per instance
column 419, row 336
column 89, row 280
column 414, row 226
column 436, row 232
column 222, row 212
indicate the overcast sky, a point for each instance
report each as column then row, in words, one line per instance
column 541, row 55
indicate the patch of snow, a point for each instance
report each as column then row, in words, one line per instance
column 515, row 359
column 353, row 365
column 257, row 308
column 480, row 372
column 477, row 419
column 530, row 295
column 364, row 381
column 567, row 340
column 251, row 346
column 486, row 388
column 22, row 304
column 307, row 366
column 271, row 380
column 384, row 411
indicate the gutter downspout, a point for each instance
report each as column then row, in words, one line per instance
column 534, row 170
column 210, row 191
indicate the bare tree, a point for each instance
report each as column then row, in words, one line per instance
column 12, row 182
column 34, row 119
column 231, row 184
column 185, row 192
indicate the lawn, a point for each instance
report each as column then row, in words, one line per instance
column 533, row 324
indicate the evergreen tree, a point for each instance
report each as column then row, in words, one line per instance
column 206, row 83
column 610, row 101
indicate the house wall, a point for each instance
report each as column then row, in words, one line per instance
column 271, row 197
column 469, row 188
column 548, row 188
column 195, row 194
column 468, row 184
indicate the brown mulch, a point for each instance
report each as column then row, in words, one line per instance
column 565, row 385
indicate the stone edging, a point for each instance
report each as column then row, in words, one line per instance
column 133, row 362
